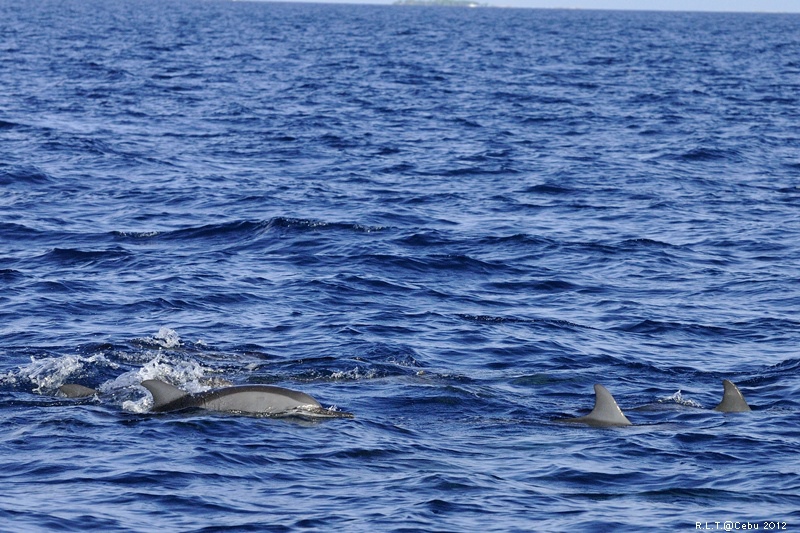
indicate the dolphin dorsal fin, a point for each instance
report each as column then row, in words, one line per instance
column 606, row 411
column 732, row 399
column 163, row 393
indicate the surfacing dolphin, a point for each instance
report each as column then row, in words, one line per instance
column 606, row 412
column 72, row 390
column 732, row 399
column 246, row 399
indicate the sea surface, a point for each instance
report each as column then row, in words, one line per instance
column 449, row 222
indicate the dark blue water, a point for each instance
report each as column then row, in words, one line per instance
column 450, row 222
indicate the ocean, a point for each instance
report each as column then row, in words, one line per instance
column 449, row 222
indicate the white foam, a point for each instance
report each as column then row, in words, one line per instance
column 167, row 338
column 49, row 373
column 142, row 405
column 678, row 398
column 188, row 375
column 354, row 374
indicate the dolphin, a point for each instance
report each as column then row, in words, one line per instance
column 606, row 412
column 245, row 399
column 71, row 390
column 732, row 399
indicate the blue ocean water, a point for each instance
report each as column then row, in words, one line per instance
column 450, row 222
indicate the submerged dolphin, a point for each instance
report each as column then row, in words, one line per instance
column 606, row 412
column 732, row 399
column 247, row 399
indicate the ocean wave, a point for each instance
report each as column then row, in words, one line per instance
column 23, row 176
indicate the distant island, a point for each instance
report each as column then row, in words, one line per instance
column 451, row 3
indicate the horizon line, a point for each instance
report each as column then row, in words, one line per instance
column 491, row 4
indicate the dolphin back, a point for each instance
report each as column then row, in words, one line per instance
column 73, row 390
column 256, row 399
column 246, row 399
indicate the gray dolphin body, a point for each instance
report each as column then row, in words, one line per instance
column 72, row 390
column 245, row 399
